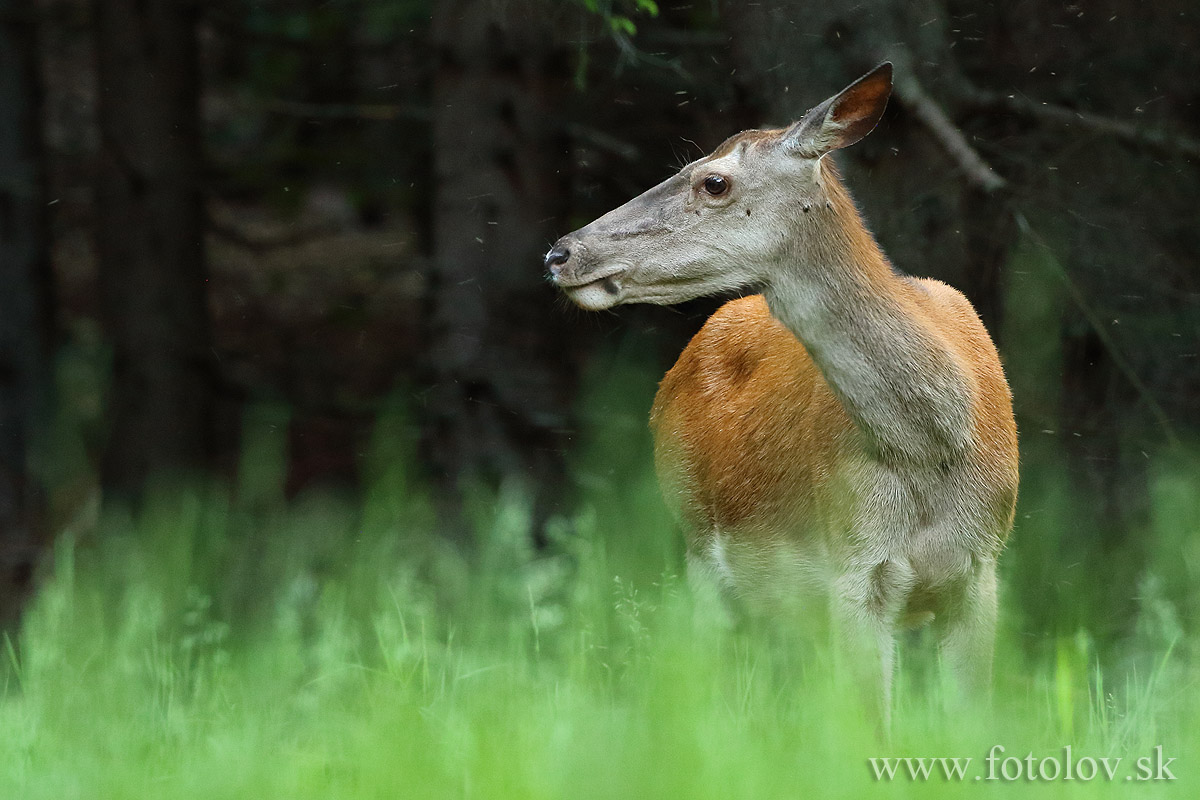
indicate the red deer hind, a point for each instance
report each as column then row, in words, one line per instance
column 849, row 430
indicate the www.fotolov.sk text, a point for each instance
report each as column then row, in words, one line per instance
column 999, row 766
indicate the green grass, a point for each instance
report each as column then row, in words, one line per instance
column 225, row 643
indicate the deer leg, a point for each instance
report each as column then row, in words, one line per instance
column 867, row 605
column 966, row 630
column 710, row 593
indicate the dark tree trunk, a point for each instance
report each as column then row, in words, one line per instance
column 1103, row 465
column 24, row 294
column 497, row 356
column 150, row 239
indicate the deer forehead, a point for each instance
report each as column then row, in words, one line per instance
column 755, row 163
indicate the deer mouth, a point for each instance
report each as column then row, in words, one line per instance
column 595, row 293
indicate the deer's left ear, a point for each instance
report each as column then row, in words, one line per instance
column 844, row 118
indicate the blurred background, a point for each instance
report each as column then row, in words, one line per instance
column 253, row 229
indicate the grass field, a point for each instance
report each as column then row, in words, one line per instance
column 224, row 643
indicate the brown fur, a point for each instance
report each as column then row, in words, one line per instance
column 846, row 436
column 748, row 433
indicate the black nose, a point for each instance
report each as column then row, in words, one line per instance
column 556, row 258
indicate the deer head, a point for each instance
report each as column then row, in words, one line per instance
column 724, row 221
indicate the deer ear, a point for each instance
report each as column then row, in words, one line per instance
column 844, row 118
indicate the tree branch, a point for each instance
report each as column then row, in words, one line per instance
column 1114, row 351
column 1155, row 139
column 603, row 141
column 929, row 112
column 385, row 112
column 261, row 243
column 365, row 111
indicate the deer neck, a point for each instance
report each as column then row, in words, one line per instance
column 869, row 331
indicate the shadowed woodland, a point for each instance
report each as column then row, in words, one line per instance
column 299, row 216
column 321, row 205
column 311, row 482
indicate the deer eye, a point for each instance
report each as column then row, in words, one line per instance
column 716, row 185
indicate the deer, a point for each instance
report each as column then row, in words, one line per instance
column 845, row 431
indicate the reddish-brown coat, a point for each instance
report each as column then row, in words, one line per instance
column 748, row 433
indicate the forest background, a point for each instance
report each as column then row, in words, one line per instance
column 284, row 259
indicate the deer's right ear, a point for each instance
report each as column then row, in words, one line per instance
column 844, row 118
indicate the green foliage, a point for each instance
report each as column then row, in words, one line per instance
column 617, row 17
column 387, row 19
column 618, row 14
column 229, row 643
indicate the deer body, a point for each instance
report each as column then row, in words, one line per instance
column 847, row 434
